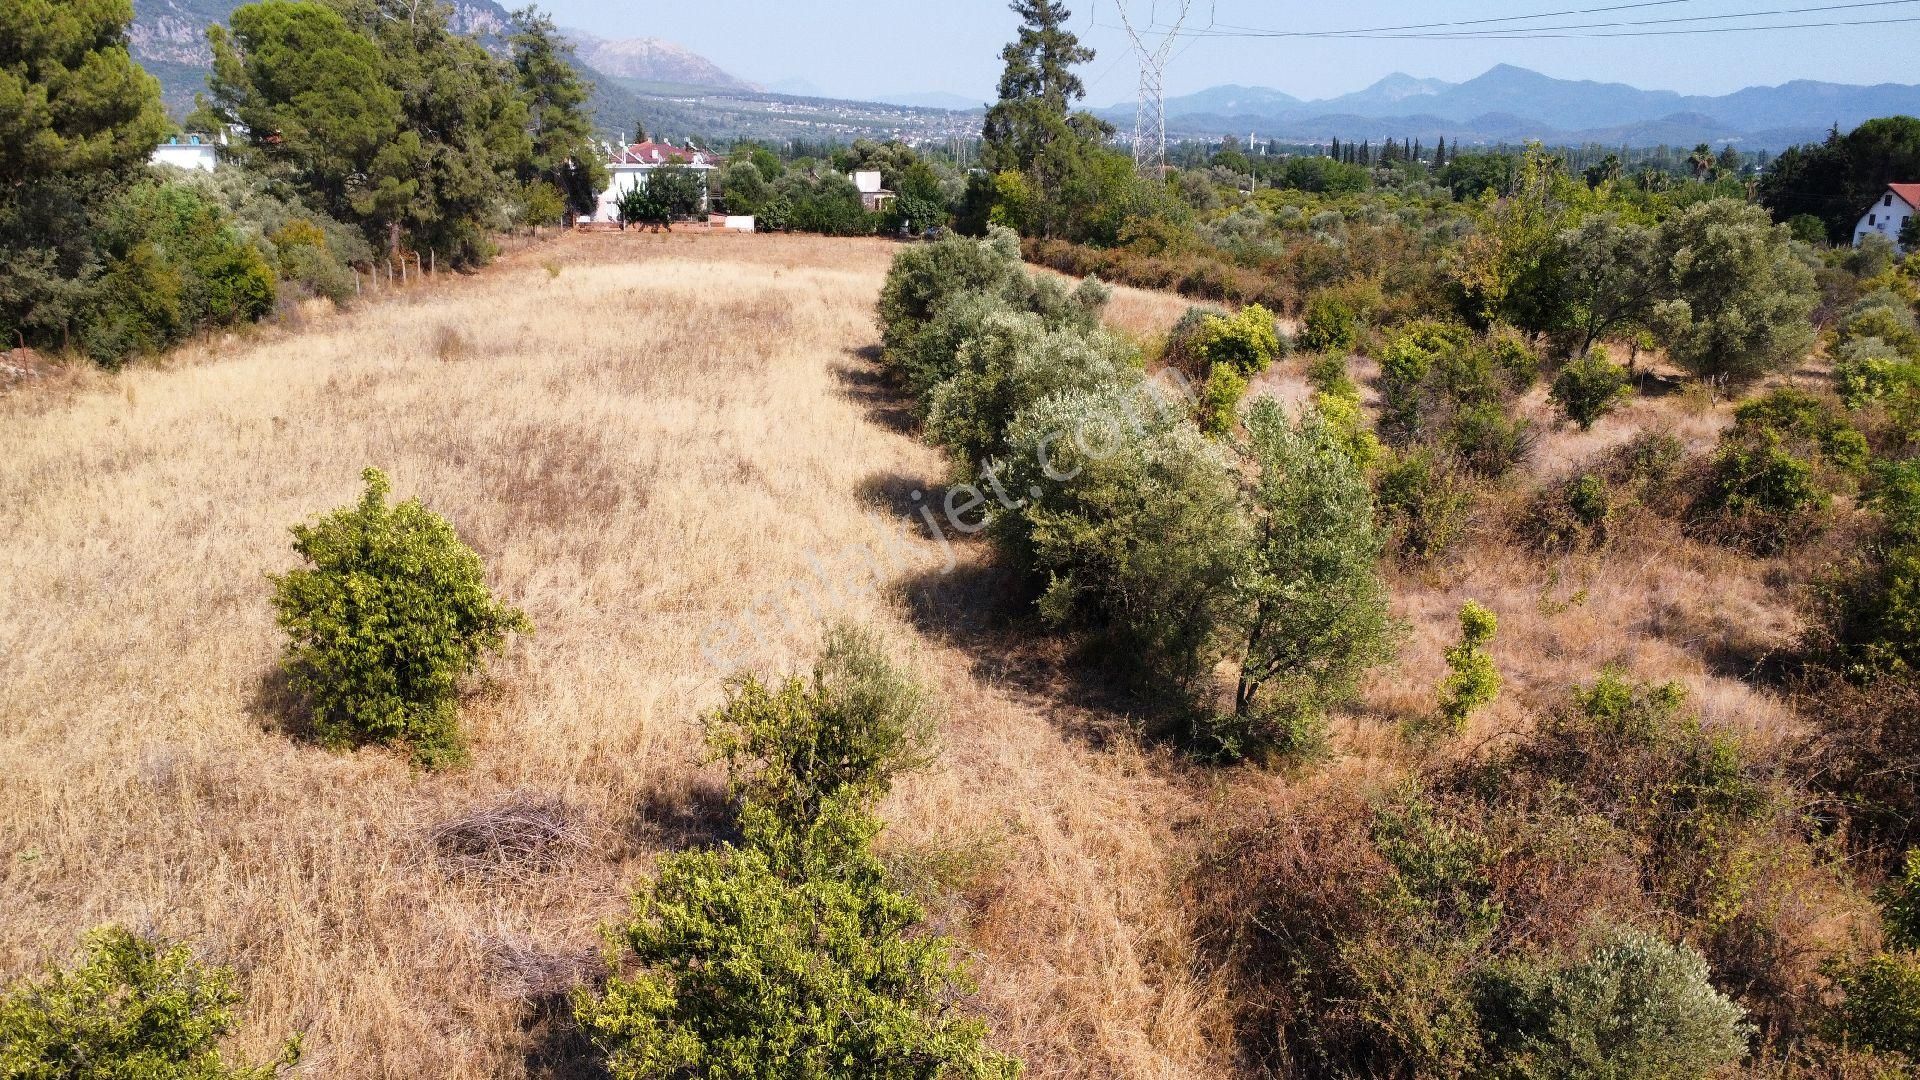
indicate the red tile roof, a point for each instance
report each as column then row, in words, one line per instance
column 1909, row 192
column 659, row 153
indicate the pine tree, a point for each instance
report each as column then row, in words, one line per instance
column 1366, row 151
column 1037, row 87
column 563, row 147
column 1440, row 154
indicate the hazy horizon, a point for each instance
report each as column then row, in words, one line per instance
column 767, row 44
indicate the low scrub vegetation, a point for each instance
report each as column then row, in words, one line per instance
column 390, row 614
column 129, row 1007
column 792, row 945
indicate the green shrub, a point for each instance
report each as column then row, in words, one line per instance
column 1900, row 905
column 1881, row 1009
column 1634, row 1007
column 1761, row 493
column 1472, row 681
column 1135, row 532
column 1487, row 439
column 1589, row 388
column 1318, row 615
column 1330, row 324
column 175, row 263
column 738, row 967
column 1881, row 314
column 791, row 750
column 1870, row 610
column 1424, row 504
column 391, row 613
column 1218, row 411
column 1248, row 342
column 1572, row 513
column 1010, row 360
column 923, row 278
column 1182, row 349
column 1328, row 374
column 129, row 1009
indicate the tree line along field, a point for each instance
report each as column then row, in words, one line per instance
column 645, row 438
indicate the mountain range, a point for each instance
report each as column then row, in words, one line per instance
column 644, row 77
column 1509, row 103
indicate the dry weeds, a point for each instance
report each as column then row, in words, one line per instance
column 664, row 448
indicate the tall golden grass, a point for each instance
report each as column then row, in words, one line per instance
column 660, row 453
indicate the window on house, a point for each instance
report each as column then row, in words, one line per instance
column 1870, row 220
column 1888, row 201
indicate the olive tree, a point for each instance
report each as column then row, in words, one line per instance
column 1737, row 301
column 1317, row 615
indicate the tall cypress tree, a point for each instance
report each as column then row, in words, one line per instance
column 1333, row 150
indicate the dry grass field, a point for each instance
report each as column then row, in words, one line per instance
column 674, row 452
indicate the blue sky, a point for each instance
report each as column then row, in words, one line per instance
column 866, row 47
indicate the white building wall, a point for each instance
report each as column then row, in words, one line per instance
column 1883, row 219
column 186, row 155
column 625, row 178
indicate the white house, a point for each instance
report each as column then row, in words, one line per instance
column 629, row 166
column 1891, row 211
column 187, row 152
column 872, row 195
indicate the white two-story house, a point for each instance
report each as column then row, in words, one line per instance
column 628, row 167
column 1889, row 213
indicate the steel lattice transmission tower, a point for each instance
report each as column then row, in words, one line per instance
column 1154, row 46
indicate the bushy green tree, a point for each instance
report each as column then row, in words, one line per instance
column 1589, row 388
column 1837, row 179
column 1736, row 301
column 391, row 612
column 1133, row 528
column 1317, row 611
column 73, row 103
column 1608, row 272
column 384, row 113
column 1060, row 176
column 129, row 1008
column 314, row 99
column 78, row 118
column 1472, row 681
column 1634, row 1007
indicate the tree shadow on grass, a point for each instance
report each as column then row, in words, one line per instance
column 557, row 1048
column 862, row 380
column 277, row 706
column 984, row 611
column 681, row 813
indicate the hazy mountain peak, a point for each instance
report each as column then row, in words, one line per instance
column 652, row 59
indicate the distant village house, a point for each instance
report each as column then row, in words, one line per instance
column 872, row 196
column 630, row 166
column 1889, row 214
column 188, row 152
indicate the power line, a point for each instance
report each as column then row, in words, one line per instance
column 1523, row 33
column 1480, row 22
